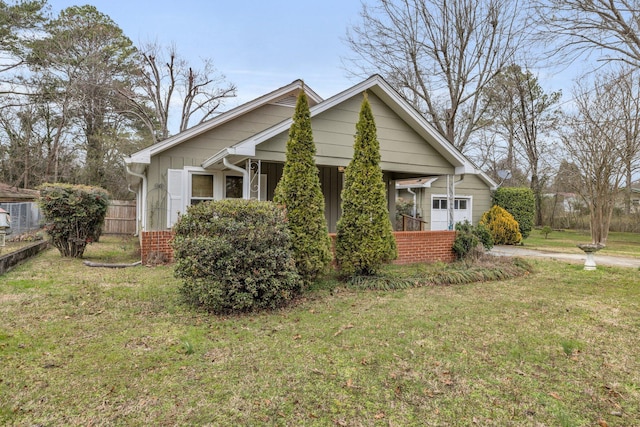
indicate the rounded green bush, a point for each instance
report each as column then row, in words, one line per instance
column 74, row 214
column 235, row 256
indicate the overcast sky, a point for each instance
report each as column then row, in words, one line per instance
column 258, row 45
column 261, row 45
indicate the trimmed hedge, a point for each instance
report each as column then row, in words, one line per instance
column 74, row 215
column 519, row 202
column 364, row 238
column 235, row 256
column 300, row 192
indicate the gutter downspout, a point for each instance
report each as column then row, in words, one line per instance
column 142, row 207
column 413, row 209
column 245, row 177
column 137, row 193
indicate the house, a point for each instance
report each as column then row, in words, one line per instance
column 241, row 154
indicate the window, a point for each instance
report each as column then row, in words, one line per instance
column 233, row 187
column 201, row 188
column 460, row 204
column 439, row 204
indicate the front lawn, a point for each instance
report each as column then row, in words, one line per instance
column 94, row 346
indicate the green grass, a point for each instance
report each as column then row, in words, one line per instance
column 622, row 244
column 82, row 346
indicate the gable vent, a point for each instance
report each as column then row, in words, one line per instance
column 287, row 101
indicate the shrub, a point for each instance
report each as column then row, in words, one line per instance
column 364, row 238
column 235, row 256
column 519, row 202
column 299, row 191
column 546, row 230
column 74, row 215
column 469, row 237
column 502, row 226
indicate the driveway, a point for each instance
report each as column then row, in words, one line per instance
column 601, row 258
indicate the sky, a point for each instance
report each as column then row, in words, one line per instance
column 258, row 45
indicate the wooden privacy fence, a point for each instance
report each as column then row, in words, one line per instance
column 121, row 217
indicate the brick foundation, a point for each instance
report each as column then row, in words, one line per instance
column 155, row 247
column 413, row 246
column 425, row 246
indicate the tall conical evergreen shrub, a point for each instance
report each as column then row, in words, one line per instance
column 365, row 237
column 299, row 191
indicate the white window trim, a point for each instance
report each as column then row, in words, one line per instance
column 469, row 199
column 189, row 192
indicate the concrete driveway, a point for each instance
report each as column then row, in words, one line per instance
column 601, row 258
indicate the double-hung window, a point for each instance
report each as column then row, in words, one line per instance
column 201, row 188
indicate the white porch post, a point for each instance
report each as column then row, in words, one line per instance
column 451, row 197
column 255, row 170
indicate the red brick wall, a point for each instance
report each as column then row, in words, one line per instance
column 421, row 246
column 413, row 246
column 155, row 247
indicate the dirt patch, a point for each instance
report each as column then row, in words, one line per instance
column 4, row 298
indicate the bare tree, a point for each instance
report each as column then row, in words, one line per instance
column 593, row 141
column 526, row 116
column 609, row 27
column 628, row 91
column 86, row 57
column 440, row 54
column 163, row 75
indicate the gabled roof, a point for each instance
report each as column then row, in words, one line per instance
column 282, row 95
column 247, row 148
column 377, row 85
column 383, row 90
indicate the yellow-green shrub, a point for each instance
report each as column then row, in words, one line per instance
column 502, row 225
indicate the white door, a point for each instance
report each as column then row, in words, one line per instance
column 440, row 213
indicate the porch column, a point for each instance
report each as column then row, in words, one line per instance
column 391, row 201
column 451, row 198
column 254, row 168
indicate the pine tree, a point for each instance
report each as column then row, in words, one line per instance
column 365, row 238
column 300, row 193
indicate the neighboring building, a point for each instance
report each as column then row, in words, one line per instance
column 241, row 153
column 22, row 208
column 9, row 194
